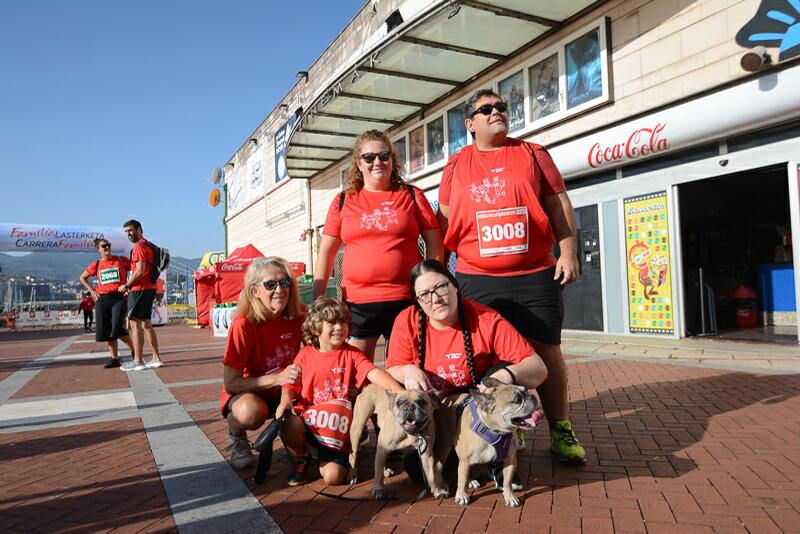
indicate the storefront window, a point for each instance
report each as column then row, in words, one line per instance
column 456, row 130
column 543, row 77
column 417, row 150
column 435, row 148
column 512, row 92
column 584, row 70
column 399, row 147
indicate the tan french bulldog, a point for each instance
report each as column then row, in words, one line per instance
column 405, row 420
column 486, row 433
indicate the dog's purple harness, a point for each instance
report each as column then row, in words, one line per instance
column 500, row 442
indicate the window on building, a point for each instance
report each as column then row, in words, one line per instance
column 416, row 150
column 435, row 141
column 399, row 146
column 456, row 130
column 512, row 92
column 543, row 81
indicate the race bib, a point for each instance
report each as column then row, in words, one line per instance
column 109, row 276
column 503, row 231
column 329, row 422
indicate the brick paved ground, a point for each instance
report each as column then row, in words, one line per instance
column 671, row 448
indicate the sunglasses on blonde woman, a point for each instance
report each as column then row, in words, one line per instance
column 285, row 283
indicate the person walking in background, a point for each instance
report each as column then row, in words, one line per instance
column 87, row 307
column 141, row 291
column 111, row 271
column 503, row 205
column 380, row 219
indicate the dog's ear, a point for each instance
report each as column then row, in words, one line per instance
column 436, row 395
column 392, row 398
column 490, row 382
column 485, row 402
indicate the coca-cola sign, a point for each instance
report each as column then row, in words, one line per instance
column 641, row 143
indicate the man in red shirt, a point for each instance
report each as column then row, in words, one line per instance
column 87, row 306
column 503, row 205
column 141, row 292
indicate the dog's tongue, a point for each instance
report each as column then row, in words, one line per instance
column 535, row 417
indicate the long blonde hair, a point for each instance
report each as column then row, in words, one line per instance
column 250, row 307
column 355, row 180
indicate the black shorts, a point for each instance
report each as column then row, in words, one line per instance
column 140, row 304
column 109, row 317
column 325, row 453
column 272, row 406
column 375, row 319
column 531, row 302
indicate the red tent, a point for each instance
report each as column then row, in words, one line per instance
column 230, row 273
column 204, row 282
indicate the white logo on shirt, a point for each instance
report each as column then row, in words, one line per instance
column 379, row 219
column 329, row 391
column 488, row 191
column 340, row 370
column 286, row 336
column 453, row 355
column 456, row 376
column 281, row 354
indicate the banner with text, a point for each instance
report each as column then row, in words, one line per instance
column 52, row 238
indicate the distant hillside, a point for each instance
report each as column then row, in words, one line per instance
column 59, row 265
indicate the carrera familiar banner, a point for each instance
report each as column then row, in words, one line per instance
column 50, row 238
column 647, row 247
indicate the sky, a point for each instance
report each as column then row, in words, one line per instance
column 118, row 110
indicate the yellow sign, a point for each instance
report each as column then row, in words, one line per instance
column 210, row 258
column 647, row 244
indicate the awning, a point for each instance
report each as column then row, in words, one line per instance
column 425, row 55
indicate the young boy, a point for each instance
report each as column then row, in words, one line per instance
column 331, row 373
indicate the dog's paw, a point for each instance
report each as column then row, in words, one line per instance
column 511, row 501
column 378, row 494
column 462, row 499
column 441, row 493
column 388, row 472
column 473, row 484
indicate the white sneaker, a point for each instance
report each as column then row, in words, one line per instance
column 241, row 454
column 131, row 366
column 155, row 365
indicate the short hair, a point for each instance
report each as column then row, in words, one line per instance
column 469, row 107
column 134, row 223
column 100, row 240
column 249, row 305
column 324, row 309
column 355, row 181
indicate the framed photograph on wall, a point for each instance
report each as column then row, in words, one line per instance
column 512, row 92
column 399, row 146
column 435, row 148
column 584, row 69
column 456, row 130
column 543, row 78
column 416, row 158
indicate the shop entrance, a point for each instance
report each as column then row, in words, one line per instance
column 583, row 300
column 735, row 235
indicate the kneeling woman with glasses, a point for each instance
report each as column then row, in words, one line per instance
column 263, row 340
column 380, row 219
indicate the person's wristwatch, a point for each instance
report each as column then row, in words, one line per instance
column 125, row 286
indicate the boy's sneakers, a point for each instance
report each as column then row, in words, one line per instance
column 154, row 364
column 297, row 474
column 114, row 362
column 133, row 366
column 565, row 445
column 241, row 455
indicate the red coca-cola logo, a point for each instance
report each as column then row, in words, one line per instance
column 641, row 143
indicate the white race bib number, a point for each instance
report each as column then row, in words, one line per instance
column 503, row 231
column 109, row 276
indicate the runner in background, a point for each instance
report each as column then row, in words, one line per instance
column 87, row 306
column 503, row 205
column 111, row 308
column 380, row 220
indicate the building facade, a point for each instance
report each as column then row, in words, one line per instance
column 679, row 142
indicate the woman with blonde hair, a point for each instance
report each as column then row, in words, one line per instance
column 380, row 219
column 263, row 341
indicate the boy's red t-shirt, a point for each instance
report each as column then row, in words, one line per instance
column 143, row 252
column 493, row 340
column 496, row 223
column 261, row 348
column 110, row 273
column 379, row 230
column 326, row 376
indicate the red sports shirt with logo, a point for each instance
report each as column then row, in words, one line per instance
column 497, row 225
column 110, row 273
column 143, row 252
column 493, row 340
column 262, row 348
column 379, row 230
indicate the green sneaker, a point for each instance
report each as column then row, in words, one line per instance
column 565, row 445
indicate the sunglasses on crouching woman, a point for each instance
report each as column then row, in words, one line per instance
column 285, row 283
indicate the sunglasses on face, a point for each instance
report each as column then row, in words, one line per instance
column 439, row 289
column 106, row 245
column 285, row 283
column 383, row 155
column 486, row 109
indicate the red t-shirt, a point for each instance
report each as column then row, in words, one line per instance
column 143, row 252
column 379, row 230
column 493, row 340
column 87, row 303
column 258, row 349
column 331, row 375
column 497, row 225
column 110, row 273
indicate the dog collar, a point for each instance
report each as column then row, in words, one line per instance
column 500, row 442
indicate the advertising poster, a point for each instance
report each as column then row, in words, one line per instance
column 255, row 169
column 512, row 92
column 236, row 191
column 584, row 70
column 456, row 130
column 54, row 238
column 544, row 87
column 417, row 148
column 647, row 251
column 281, row 138
column 435, row 140
column 399, row 147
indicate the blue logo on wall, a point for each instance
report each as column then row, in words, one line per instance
column 776, row 24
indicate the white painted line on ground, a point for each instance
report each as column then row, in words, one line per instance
column 17, row 381
column 62, row 406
